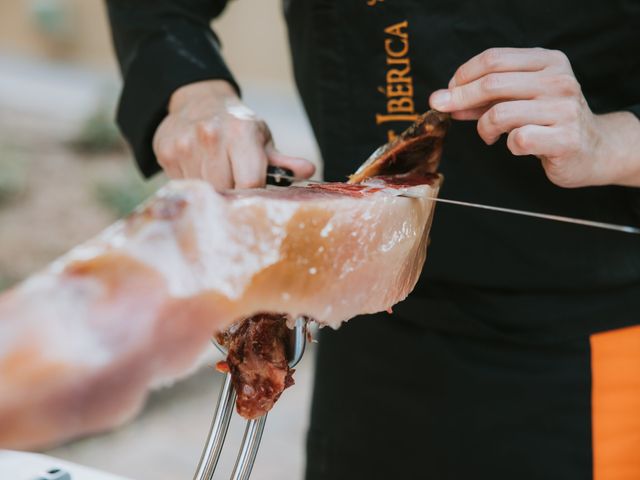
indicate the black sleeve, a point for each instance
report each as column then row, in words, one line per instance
column 635, row 109
column 161, row 45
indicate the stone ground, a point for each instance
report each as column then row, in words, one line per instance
column 42, row 107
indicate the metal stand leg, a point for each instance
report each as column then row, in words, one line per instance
column 218, row 432
column 253, row 432
column 250, row 444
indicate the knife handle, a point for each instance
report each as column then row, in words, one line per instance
column 274, row 179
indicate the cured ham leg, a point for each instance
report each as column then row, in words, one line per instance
column 82, row 341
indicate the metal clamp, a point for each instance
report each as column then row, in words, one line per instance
column 253, row 431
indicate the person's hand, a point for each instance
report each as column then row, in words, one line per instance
column 532, row 95
column 210, row 134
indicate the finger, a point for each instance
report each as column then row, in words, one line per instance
column 187, row 148
column 495, row 60
column 172, row 173
column 166, row 156
column 215, row 168
column 300, row 167
column 505, row 116
column 536, row 140
column 490, row 88
column 248, row 162
column 171, row 169
column 210, row 161
column 471, row 114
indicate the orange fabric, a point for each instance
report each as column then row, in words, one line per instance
column 615, row 370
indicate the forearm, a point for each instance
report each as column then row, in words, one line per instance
column 619, row 148
column 199, row 91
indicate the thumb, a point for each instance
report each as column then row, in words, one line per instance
column 300, row 167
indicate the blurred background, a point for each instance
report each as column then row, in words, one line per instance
column 65, row 174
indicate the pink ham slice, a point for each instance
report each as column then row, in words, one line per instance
column 82, row 342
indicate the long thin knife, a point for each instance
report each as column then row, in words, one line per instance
column 279, row 177
column 545, row 216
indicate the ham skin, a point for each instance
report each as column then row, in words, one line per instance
column 83, row 341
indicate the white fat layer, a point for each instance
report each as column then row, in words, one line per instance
column 68, row 335
column 231, row 256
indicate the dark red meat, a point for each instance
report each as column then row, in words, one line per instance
column 258, row 362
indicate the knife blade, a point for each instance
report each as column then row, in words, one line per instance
column 544, row 216
column 282, row 177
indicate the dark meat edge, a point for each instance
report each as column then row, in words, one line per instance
column 415, row 152
column 258, row 360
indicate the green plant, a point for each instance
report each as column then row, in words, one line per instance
column 123, row 195
column 13, row 173
column 6, row 281
column 99, row 133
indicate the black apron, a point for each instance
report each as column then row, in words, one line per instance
column 486, row 370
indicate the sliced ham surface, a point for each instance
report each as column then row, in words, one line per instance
column 83, row 341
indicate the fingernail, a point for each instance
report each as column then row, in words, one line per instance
column 452, row 82
column 441, row 99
